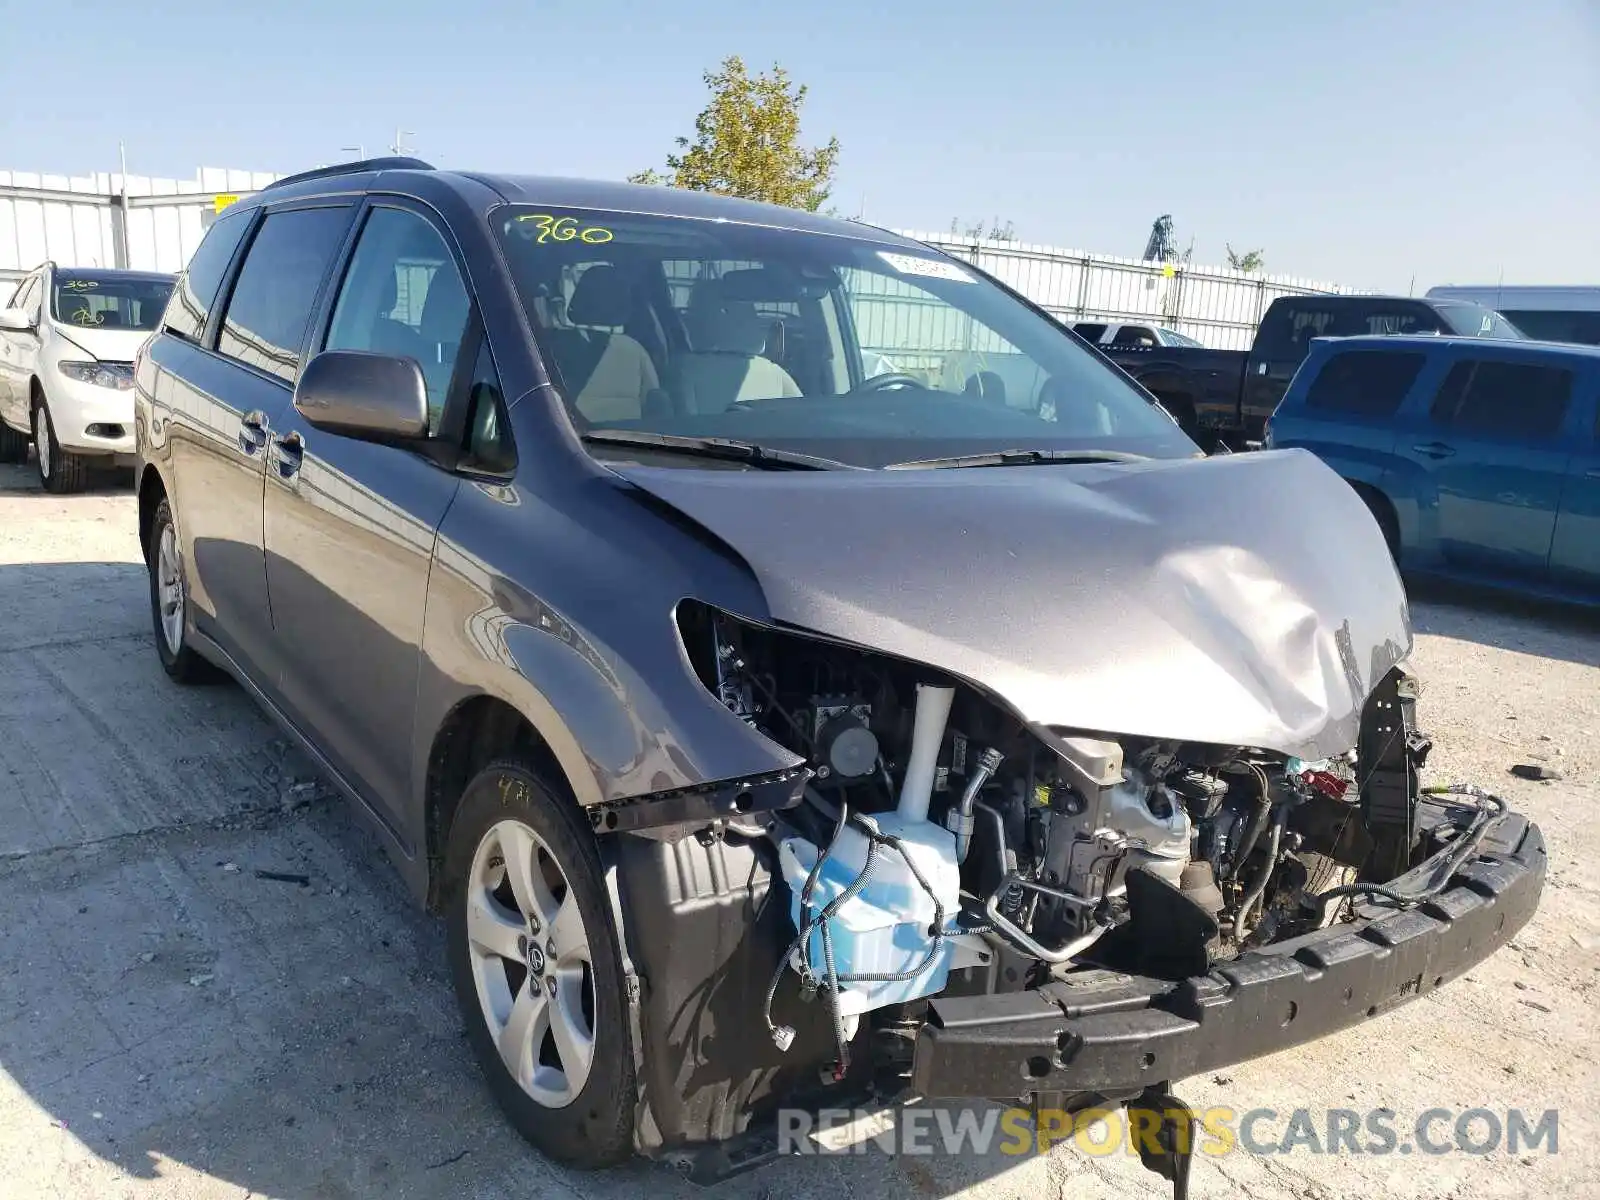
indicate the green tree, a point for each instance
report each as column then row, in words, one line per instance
column 747, row 143
column 1249, row 260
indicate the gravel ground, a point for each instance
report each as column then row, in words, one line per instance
column 172, row 1024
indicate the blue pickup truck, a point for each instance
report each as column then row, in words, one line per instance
column 1479, row 458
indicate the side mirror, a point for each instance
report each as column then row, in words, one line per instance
column 15, row 320
column 375, row 397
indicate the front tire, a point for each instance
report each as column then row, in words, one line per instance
column 60, row 471
column 169, row 602
column 534, row 959
column 1383, row 513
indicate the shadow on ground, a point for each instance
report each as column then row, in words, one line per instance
column 24, row 477
column 1506, row 621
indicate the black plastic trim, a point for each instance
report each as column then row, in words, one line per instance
column 1114, row 1034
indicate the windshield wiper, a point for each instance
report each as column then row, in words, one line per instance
column 1019, row 458
column 728, row 449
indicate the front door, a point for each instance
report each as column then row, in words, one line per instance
column 350, row 525
column 1492, row 450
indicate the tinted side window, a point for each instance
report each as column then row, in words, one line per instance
column 1089, row 332
column 192, row 298
column 1406, row 319
column 1365, row 383
column 1288, row 328
column 1505, row 399
column 1134, row 335
column 404, row 296
column 265, row 324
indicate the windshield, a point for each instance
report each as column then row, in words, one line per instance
column 104, row 300
column 1474, row 320
column 855, row 350
column 1173, row 338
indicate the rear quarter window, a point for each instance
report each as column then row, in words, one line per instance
column 1363, row 383
column 1381, row 318
column 1287, row 329
column 197, row 290
column 1504, row 399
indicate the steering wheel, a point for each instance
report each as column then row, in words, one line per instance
column 892, row 379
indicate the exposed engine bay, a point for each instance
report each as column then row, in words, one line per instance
column 942, row 853
column 1070, row 847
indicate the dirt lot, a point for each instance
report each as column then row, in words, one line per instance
column 171, row 1024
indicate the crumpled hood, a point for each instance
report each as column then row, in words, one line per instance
column 1239, row 600
column 107, row 345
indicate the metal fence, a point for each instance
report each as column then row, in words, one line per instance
column 155, row 224
column 94, row 221
column 1215, row 305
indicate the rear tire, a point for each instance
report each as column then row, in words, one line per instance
column 567, row 1084
column 169, row 603
column 60, row 471
column 13, row 445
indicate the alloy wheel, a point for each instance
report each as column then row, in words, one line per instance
column 169, row 588
column 531, row 963
column 41, row 439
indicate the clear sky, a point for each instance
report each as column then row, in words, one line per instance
column 1360, row 142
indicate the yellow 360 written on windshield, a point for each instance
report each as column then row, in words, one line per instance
column 546, row 228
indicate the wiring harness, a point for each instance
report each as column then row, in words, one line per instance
column 1489, row 808
column 828, row 980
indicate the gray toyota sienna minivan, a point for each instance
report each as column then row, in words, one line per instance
column 796, row 667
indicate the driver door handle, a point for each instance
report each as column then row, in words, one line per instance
column 290, row 452
column 1434, row 449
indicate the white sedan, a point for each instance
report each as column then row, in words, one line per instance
column 67, row 343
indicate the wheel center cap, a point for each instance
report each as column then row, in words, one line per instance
column 535, row 958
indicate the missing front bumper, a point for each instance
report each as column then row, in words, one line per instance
column 1111, row 1035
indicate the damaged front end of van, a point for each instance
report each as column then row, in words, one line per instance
column 1043, row 843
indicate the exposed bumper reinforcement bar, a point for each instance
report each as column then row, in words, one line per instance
column 1114, row 1035
column 727, row 799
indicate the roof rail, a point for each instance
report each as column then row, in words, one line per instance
column 353, row 168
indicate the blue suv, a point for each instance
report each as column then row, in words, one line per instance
column 1480, row 459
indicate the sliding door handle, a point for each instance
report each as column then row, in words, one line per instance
column 252, row 431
